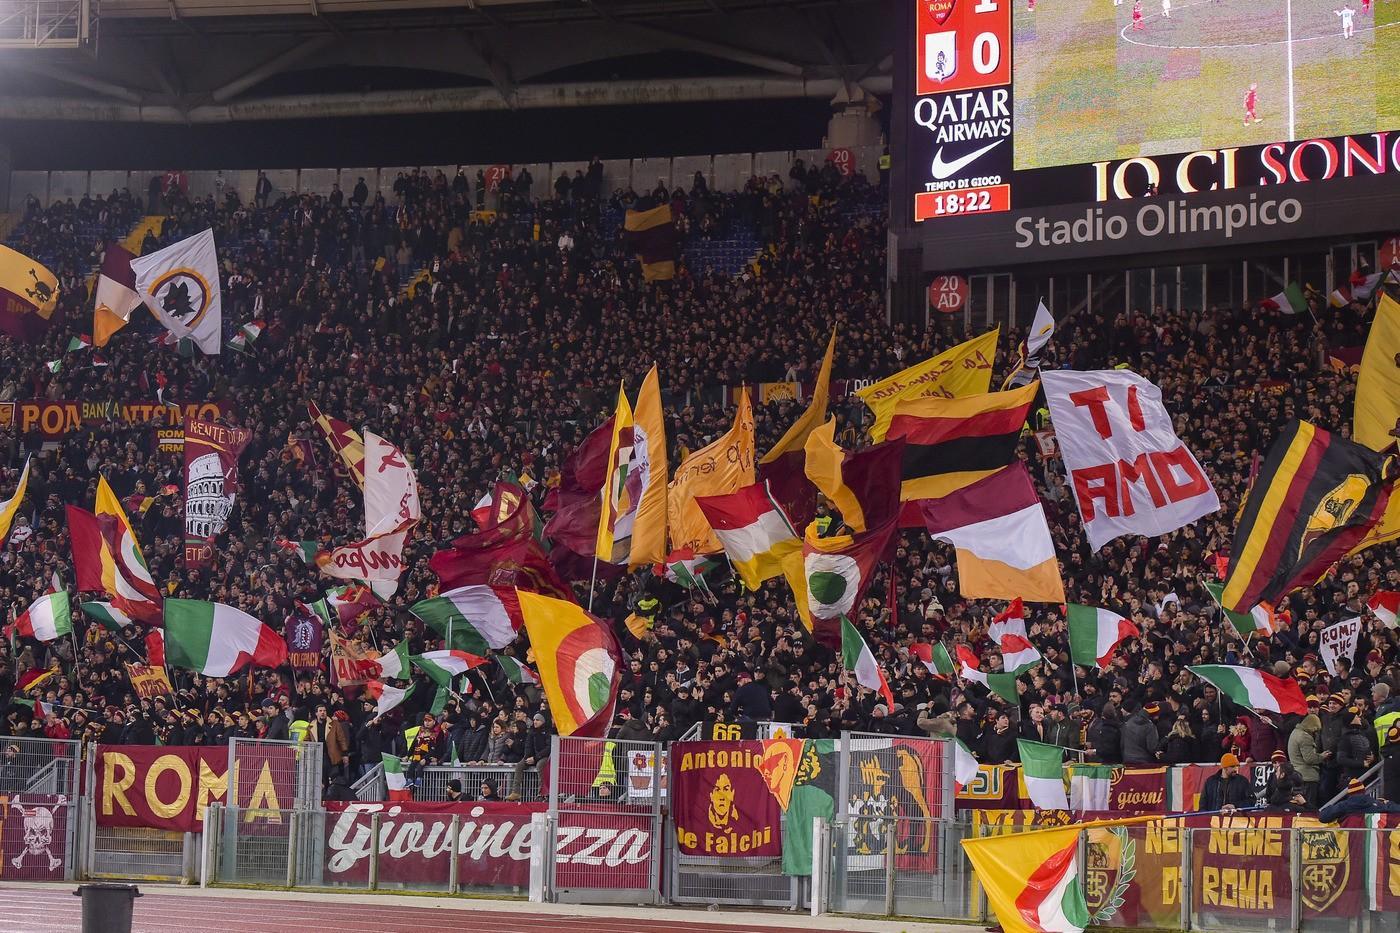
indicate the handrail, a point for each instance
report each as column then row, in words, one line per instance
column 1371, row 775
column 372, row 786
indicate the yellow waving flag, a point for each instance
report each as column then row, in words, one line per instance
column 10, row 507
column 579, row 663
column 1378, row 406
column 28, row 295
column 648, row 476
column 962, row 370
column 824, row 461
column 1378, row 385
column 1032, row 879
column 615, row 534
column 796, row 437
column 108, row 504
column 720, row 467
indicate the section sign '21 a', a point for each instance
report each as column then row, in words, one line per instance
column 962, row 108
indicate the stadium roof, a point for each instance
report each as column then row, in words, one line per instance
column 215, row 61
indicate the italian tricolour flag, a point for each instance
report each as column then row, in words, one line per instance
column 516, row 672
column 385, row 696
column 858, row 659
column 1289, row 301
column 218, row 640
column 1032, row 879
column 1094, row 633
column 442, row 666
column 47, row 618
column 1018, row 654
column 393, row 664
column 1042, row 768
column 394, row 780
column 964, row 763
column 1254, row 689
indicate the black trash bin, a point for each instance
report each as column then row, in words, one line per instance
column 107, row 907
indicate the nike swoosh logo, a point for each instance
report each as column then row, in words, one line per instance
column 941, row 170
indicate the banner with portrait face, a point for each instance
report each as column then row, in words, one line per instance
column 721, row 801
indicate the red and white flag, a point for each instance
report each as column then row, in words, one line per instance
column 1129, row 472
column 1386, row 606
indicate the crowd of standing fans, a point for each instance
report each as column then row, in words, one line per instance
column 508, row 352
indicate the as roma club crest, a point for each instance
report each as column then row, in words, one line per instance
column 183, row 295
column 1326, row 867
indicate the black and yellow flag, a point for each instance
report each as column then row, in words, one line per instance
column 652, row 236
column 28, row 295
column 1316, row 497
column 952, row 443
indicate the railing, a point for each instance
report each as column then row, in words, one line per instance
column 37, row 765
column 722, row 172
column 433, row 780
column 871, row 875
column 371, row 786
column 1371, row 776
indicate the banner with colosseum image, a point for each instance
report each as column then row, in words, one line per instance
column 211, row 482
column 721, row 800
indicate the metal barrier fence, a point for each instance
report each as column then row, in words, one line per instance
column 372, row 785
column 871, row 874
column 260, row 771
column 31, row 765
column 1239, row 875
column 432, row 781
column 606, row 794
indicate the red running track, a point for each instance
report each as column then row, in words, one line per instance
column 58, row 911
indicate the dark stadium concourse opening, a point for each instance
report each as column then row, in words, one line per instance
column 1010, row 299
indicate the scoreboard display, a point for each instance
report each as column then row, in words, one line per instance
column 1035, row 130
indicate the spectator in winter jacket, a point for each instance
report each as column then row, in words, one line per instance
column 1304, row 756
column 1354, row 754
column 1227, row 789
column 752, row 700
column 998, row 743
column 1284, row 790
column 1140, row 737
column 277, row 721
column 1390, row 755
column 1063, row 731
column 1179, row 747
column 1035, row 727
column 1334, row 723
column 1105, row 735
column 534, row 754
column 494, row 750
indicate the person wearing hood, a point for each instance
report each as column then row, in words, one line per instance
column 1140, row 739
column 1304, row 755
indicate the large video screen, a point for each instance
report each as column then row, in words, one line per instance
column 1028, row 110
column 1111, row 79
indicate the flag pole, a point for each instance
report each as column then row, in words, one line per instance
column 593, row 580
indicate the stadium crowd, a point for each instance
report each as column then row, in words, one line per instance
column 506, row 355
